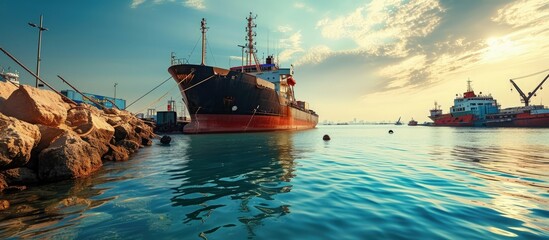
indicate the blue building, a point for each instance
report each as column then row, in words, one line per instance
column 78, row 98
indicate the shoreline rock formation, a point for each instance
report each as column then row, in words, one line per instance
column 45, row 139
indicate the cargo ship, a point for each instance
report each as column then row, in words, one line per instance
column 10, row 76
column 472, row 110
column 248, row 98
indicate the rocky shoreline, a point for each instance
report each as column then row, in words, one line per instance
column 46, row 139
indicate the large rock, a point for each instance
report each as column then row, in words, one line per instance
column 17, row 139
column 6, row 89
column 36, row 106
column 3, row 183
column 20, row 176
column 117, row 154
column 92, row 127
column 68, row 157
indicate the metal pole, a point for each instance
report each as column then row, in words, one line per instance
column 242, row 67
column 38, row 59
column 203, row 28
column 115, row 90
column 39, row 46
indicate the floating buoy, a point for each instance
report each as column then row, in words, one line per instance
column 390, row 131
column 165, row 140
column 326, row 137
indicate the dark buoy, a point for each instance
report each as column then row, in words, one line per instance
column 165, row 140
column 390, row 131
column 326, row 137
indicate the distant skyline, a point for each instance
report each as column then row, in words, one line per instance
column 369, row 60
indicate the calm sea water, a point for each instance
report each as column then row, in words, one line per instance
column 418, row 183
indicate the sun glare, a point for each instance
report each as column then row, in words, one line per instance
column 500, row 48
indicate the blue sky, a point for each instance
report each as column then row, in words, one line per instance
column 370, row 60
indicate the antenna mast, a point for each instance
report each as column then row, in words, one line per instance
column 204, row 29
column 251, row 44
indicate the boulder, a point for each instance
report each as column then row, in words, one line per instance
column 6, row 89
column 3, row 183
column 68, row 157
column 17, row 139
column 49, row 134
column 36, row 106
column 117, row 154
column 129, row 145
column 17, row 176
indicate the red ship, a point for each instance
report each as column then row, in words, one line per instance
column 472, row 110
column 468, row 110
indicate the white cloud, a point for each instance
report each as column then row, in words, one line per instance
column 136, row 3
column 284, row 29
column 401, row 73
column 300, row 5
column 385, row 27
column 291, row 46
column 315, row 55
column 523, row 13
column 529, row 38
column 196, row 4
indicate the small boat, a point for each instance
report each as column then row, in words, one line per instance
column 412, row 122
column 398, row 122
column 8, row 76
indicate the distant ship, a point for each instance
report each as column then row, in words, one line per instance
column 472, row 110
column 9, row 76
column 398, row 122
column 412, row 122
column 248, row 98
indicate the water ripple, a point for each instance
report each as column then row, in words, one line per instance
column 418, row 183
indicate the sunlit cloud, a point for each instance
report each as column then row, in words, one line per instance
column 315, row 55
column 524, row 13
column 196, row 4
column 300, row 5
column 136, row 3
column 284, row 29
column 384, row 28
column 402, row 73
column 290, row 46
column 531, row 31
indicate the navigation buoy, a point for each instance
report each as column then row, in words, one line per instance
column 165, row 140
column 390, row 131
column 326, row 137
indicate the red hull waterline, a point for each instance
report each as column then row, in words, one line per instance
column 217, row 123
column 451, row 121
column 523, row 120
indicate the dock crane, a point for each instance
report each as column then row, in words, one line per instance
column 526, row 99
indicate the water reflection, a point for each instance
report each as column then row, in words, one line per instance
column 234, row 177
column 40, row 212
column 515, row 180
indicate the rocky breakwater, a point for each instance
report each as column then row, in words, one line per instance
column 45, row 139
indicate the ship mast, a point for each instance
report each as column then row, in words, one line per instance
column 469, row 88
column 251, row 44
column 203, row 28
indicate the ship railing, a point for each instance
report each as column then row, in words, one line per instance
column 179, row 61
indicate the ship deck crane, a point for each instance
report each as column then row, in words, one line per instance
column 526, row 99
